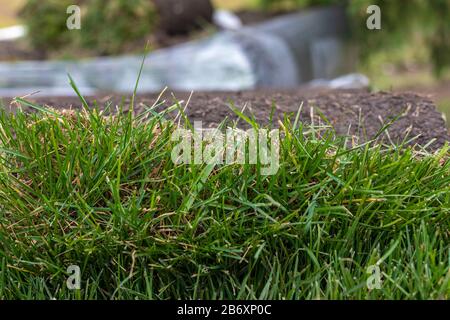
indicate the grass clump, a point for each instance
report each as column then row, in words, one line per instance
column 107, row 27
column 101, row 192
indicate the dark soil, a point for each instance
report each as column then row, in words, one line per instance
column 181, row 16
column 359, row 113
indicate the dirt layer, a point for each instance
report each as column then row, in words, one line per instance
column 356, row 113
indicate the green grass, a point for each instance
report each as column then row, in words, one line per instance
column 102, row 192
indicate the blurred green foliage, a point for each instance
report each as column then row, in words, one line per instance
column 402, row 22
column 107, row 27
column 46, row 22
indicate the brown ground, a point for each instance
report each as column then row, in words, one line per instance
column 359, row 113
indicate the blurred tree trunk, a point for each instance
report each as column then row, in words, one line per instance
column 182, row 16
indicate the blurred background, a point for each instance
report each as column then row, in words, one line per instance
column 411, row 52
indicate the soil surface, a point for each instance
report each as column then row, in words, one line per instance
column 357, row 113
